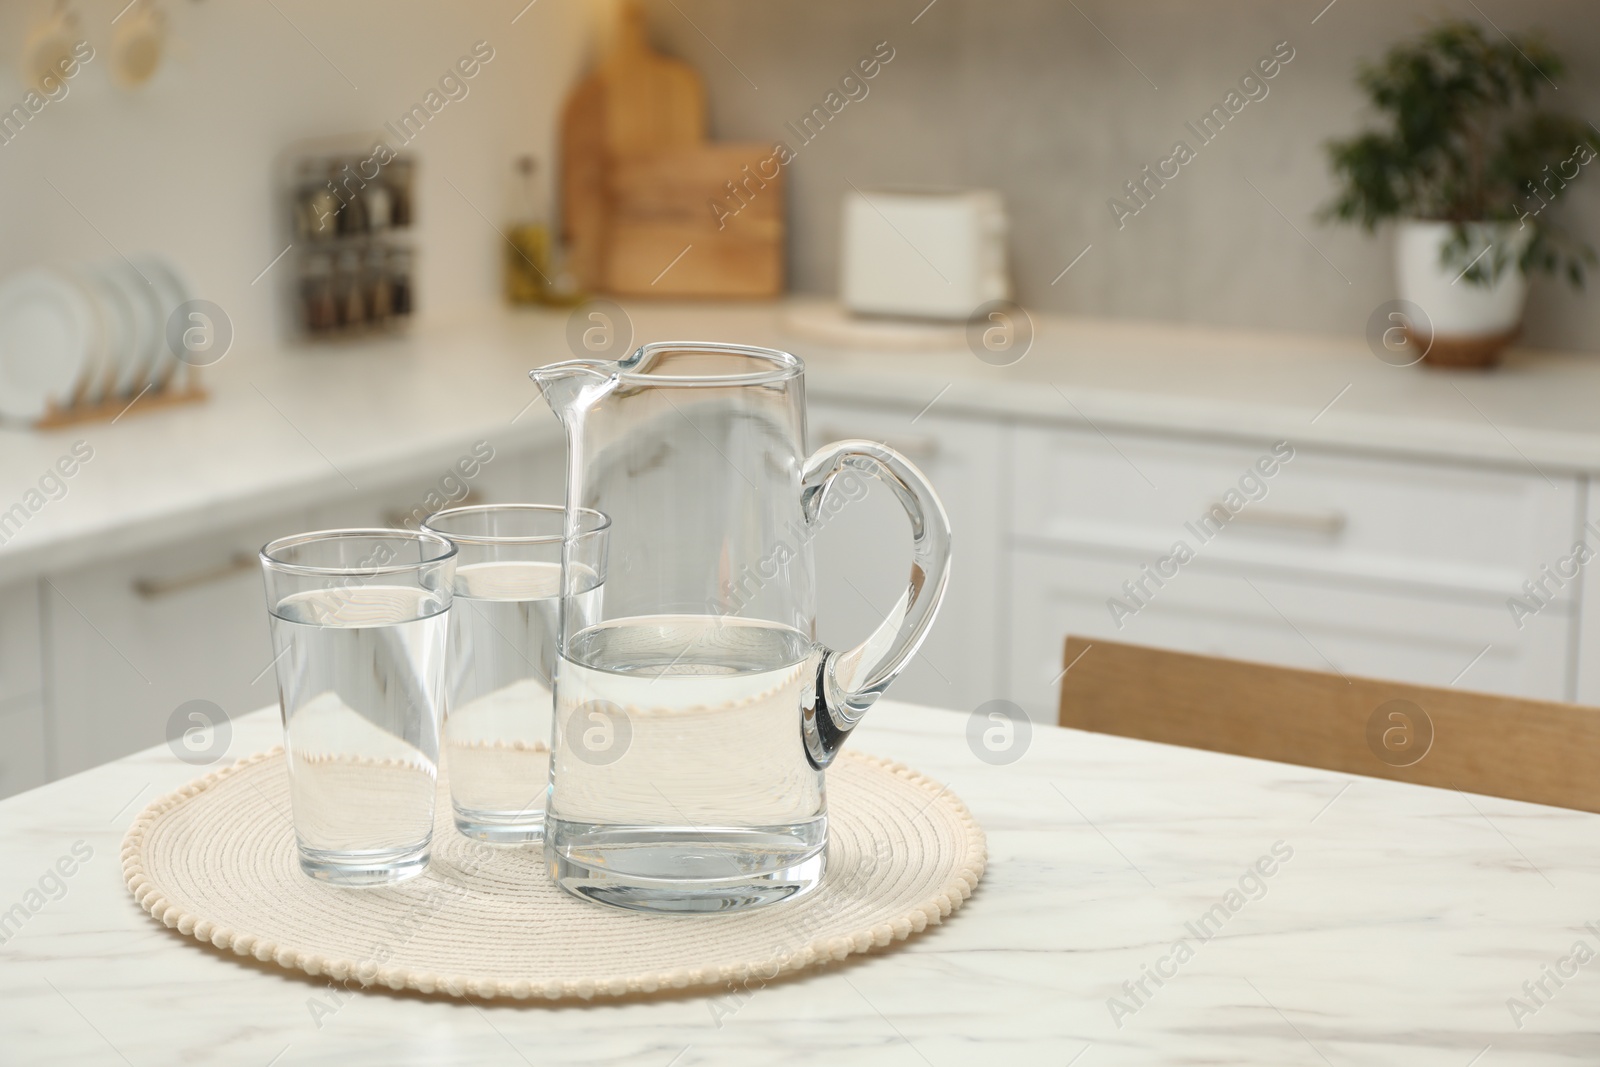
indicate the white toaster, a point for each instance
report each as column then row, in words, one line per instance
column 936, row 253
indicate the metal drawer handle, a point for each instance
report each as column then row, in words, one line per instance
column 1329, row 523
column 155, row 588
column 923, row 447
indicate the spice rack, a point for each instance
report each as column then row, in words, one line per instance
column 349, row 214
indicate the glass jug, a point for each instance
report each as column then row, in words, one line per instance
column 695, row 714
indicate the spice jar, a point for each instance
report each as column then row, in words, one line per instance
column 316, row 295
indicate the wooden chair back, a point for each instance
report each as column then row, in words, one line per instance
column 1539, row 751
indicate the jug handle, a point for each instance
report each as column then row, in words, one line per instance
column 849, row 682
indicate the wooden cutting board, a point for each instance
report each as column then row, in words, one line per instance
column 639, row 180
column 665, row 239
column 652, row 101
column 583, row 181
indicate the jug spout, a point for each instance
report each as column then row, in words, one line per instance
column 571, row 387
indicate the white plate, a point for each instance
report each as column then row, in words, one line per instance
column 149, row 325
column 170, row 291
column 47, row 326
column 115, row 313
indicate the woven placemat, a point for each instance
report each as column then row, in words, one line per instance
column 216, row 860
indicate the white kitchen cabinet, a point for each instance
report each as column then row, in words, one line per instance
column 130, row 639
column 1381, row 522
column 1587, row 624
column 1221, row 609
column 23, row 763
column 1373, row 566
column 20, row 668
column 863, row 552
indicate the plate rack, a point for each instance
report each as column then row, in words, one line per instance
column 113, row 408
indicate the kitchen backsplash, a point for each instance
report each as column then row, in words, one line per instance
column 1060, row 105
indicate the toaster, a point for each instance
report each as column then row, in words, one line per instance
column 924, row 253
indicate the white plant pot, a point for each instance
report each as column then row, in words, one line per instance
column 1467, row 324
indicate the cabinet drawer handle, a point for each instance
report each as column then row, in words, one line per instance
column 398, row 520
column 917, row 447
column 1328, row 523
column 155, row 588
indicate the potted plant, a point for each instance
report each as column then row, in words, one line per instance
column 1465, row 164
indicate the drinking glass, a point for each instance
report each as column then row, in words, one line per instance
column 503, row 629
column 358, row 627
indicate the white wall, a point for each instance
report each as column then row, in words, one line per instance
column 184, row 166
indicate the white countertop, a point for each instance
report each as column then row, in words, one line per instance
column 1394, row 933
column 288, row 427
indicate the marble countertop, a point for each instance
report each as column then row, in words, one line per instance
column 1289, row 916
column 300, row 426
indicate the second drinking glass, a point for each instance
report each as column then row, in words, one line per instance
column 503, row 631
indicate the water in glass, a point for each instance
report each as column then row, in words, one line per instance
column 362, row 694
column 503, row 650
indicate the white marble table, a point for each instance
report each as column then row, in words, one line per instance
column 1396, row 931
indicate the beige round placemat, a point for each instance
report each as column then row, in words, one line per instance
column 217, row 860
